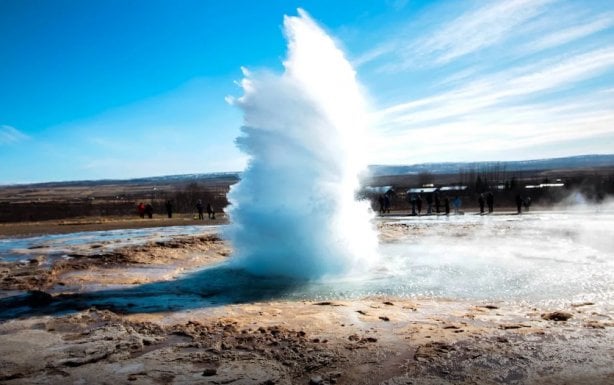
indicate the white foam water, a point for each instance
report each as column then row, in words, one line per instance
column 294, row 213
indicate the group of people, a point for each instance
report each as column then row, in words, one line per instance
column 520, row 202
column 384, row 203
column 147, row 210
column 210, row 212
column 488, row 199
column 433, row 201
column 436, row 204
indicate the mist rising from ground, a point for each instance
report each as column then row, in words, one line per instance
column 293, row 212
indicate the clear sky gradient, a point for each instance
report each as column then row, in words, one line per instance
column 132, row 88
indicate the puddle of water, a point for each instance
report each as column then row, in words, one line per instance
column 54, row 246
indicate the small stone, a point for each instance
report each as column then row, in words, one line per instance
column 209, row 372
column 315, row 380
column 384, row 318
column 557, row 316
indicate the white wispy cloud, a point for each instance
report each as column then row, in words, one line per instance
column 503, row 87
column 490, row 24
column 479, row 29
column 10, row 135
column 563, row 36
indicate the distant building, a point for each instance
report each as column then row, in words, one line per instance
column 378, row 190
column 452, row 188
column 545, row 185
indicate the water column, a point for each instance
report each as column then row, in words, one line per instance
column 294, row 213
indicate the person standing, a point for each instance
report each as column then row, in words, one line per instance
column 380, row 200
column 141, row 209
column 437, row 202
column 419, row 203
column 412, row 199
column 210, row 212
column 149, row 210
column 446, row 204
column 457, row 204
column 199, row 208
column 519, row 203
column 481, row 202
column 429, row 203
column 527, row 204
column 169, row 208
column 490, row 201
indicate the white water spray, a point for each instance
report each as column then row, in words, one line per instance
column 293, row 212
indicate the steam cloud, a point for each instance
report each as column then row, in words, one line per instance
column 293, row 212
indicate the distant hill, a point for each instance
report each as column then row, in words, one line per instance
column 230, row 177
column 569, row 163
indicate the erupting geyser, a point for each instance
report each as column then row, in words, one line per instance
column 293, row 212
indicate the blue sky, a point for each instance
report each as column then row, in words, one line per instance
column 126, row 88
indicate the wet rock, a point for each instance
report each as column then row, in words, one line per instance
column 38, row 298
column 556, row 316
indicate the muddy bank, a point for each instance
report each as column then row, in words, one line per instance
column 372, row 341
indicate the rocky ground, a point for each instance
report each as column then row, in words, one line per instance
column 93, row 264
column 367, row 341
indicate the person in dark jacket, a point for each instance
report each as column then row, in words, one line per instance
column 169, row 208
column 419, row 203
column 210, row 212
column 149, row 210
column 519, row 203
column 429, row 203
column 199, row 208
column 490, row 201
